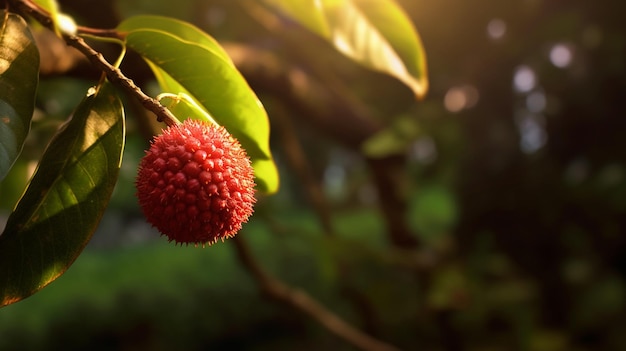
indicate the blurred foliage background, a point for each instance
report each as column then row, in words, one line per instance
column 489, row 216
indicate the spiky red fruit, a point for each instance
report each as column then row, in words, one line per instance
column 195, row 184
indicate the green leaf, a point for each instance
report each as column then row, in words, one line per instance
column 65, row 199
column 308, row 13
column 187, row 60
column 19, row 74
column 180, row 29
column 376, row 33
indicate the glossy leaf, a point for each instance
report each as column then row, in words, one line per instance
column 19, row 72
column 180, row 29
column 186, row 60
column 375, row 33
column 309, row 13
column 65, row 199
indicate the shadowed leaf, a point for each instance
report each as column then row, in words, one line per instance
column 19, row 69
column 65, row 199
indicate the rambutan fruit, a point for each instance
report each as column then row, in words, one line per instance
column 195, row 183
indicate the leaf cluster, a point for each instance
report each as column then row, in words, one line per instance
column 75, row 177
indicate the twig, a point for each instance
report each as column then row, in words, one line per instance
column 300, row 300
column 114, row 75
column 98, row 32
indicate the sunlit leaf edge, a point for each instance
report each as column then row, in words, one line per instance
column 405, row 49
column 308, row 13
column 390, row 19
column 184, row 31
column 345, row 17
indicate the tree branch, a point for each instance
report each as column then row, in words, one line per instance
column 113, row 74
column 300, row 300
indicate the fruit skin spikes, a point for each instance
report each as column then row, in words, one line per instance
column 195, row 184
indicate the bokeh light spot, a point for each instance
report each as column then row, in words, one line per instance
column 561, row 55
column 524, row 79
column 533, row 135
column 461, row 97
column 496, row 29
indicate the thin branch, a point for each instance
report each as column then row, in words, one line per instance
column 114, row 75
column 98, row 32
column 300, row 300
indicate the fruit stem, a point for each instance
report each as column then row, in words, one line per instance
column 190, row 101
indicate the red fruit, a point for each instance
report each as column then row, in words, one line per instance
column 195, row 184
